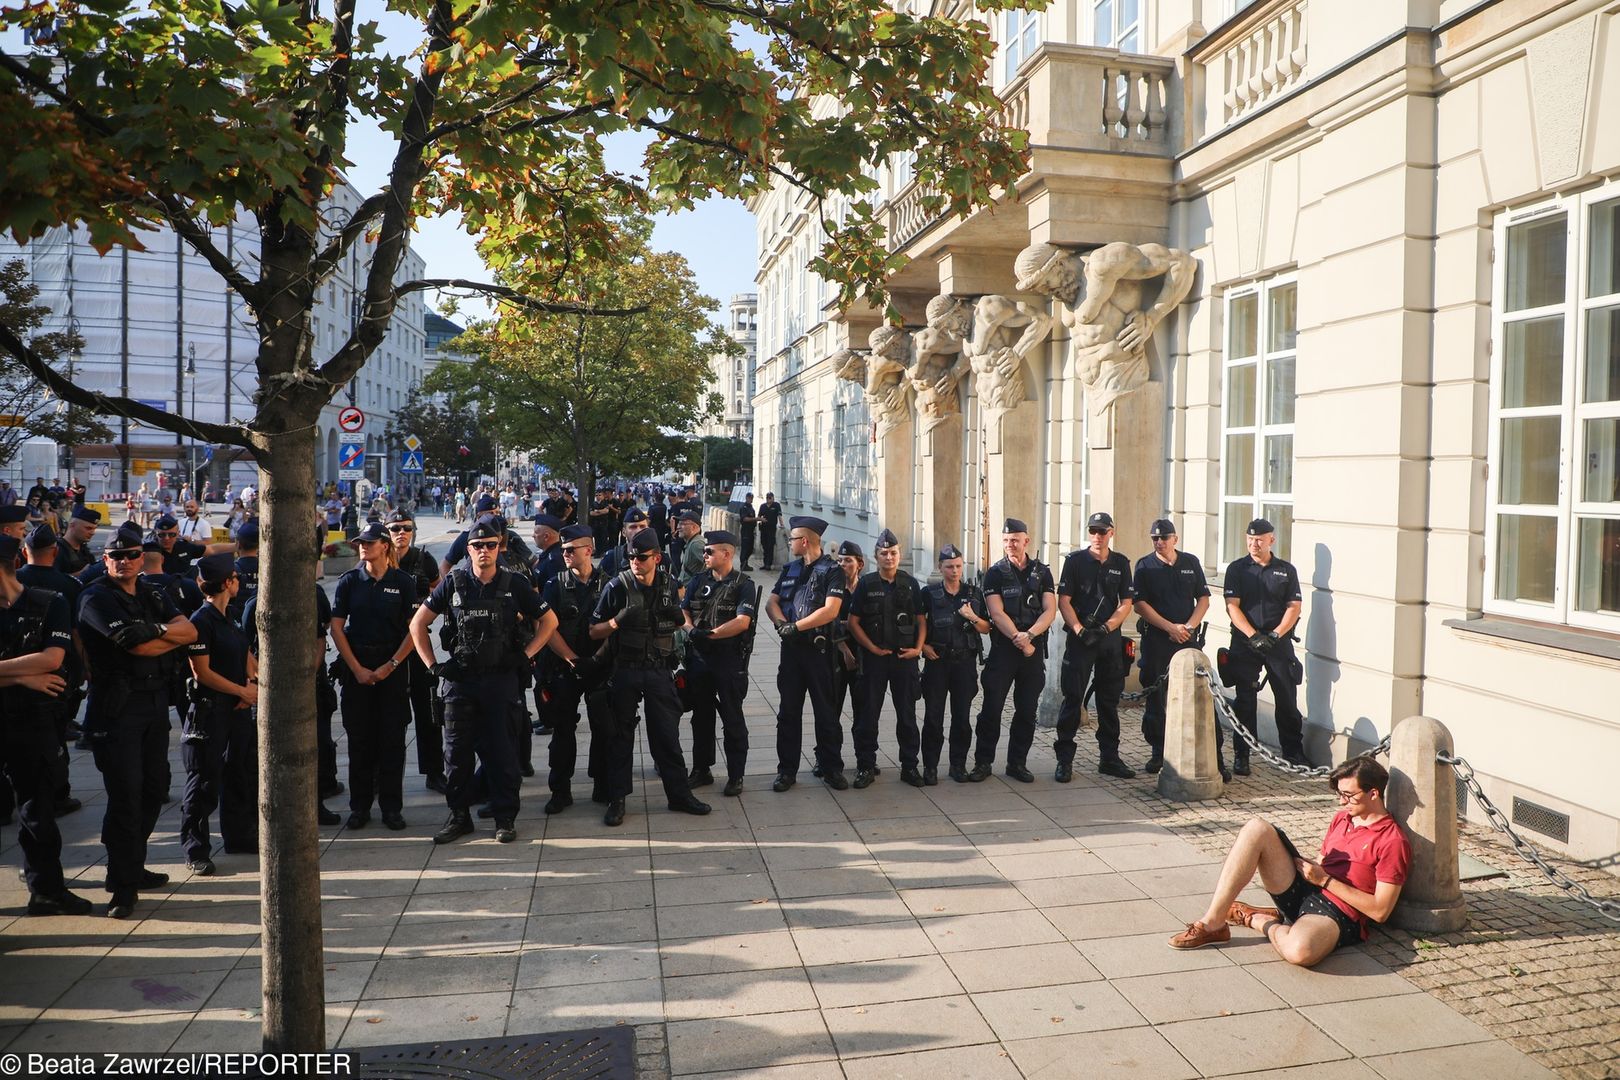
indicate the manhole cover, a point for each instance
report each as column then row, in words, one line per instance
column 600, row 1054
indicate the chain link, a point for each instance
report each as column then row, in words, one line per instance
column 1609, row 909
column 1225, row 714
column 1138, row 695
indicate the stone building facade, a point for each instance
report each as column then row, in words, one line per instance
column 733, row 377
column 1400, row 342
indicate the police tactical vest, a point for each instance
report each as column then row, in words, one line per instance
column 651, row 639
column 716, row 603
column 576, row 600
column 1020, row 598
column 813, row 585
column 947, row 631
column 486, row 636
column 888, row 614
column 27, row 634
column 419, row 565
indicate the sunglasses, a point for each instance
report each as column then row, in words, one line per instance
column 402, row 528
column 126, row 555
column 577, row 549
column 168, row 535
column 484, row 545
column 643, row 556
column 708, row 551
column 1098, row 532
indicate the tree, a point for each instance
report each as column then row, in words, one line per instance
column 456, row 438
column 724, row 456
column 25, row 409
column 124, row 115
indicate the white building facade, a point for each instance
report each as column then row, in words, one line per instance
column 1402, row 345
column 733, row 377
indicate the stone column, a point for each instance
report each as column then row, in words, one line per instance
column 1127, row 454
column 1190, row 772
column 942, row 489
column 1422, row 796
column 895, row 479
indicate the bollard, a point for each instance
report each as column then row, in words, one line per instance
column 1422, row 796
column 1190, row 772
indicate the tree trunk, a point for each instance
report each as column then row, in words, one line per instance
column 294, row 982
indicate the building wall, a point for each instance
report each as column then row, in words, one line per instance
column 734, row 377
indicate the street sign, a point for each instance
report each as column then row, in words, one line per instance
column 208, row 453
column 351, row 419
column 412, row 443
column 410, row 461
column 351, row 460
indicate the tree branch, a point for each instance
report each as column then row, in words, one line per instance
column 518, row 299
column 484, row 115
column 327, row 261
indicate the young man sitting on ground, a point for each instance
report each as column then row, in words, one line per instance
column 1320, row 905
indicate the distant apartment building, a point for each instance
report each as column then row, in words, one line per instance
column 732, row 377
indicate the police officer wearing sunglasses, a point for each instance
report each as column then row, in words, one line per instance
column 886, row 620
column 1094, row 599
column 423, row 569
column 1020, row 596
column 721, row 606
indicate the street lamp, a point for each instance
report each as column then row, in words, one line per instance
column 62, row 406
column 191, row 450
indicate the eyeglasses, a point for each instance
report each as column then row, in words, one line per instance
column 402, row 528
column 168, row 535
column 1348, row 796
column 1098, row 532
column 643, row 556
column 123, row 556
column 484, row 545
column 709, row 551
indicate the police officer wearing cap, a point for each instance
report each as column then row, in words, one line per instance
column 849, row 679
column 180, row 556
column 548, row 563
column 886, row 618
column 247, row 569
column 1094, row 600
column 495, row 626
column 770, row 515
column 803, row 606
column 721, row 605
column 1172, row 598
column 516, row 549
column 1020, row 598
column 573, row 668
column 1263, row 600
column 423, row 569
column 616, row 559
column 219, row 739
column 957, row 622
column 129, row 628
column 638, row 613
column 688, row 526
column 14, row 523
column 43, row 550
column 371, row 620
column 73, row 546
column 35, row 638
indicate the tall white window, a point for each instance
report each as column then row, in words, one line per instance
column 1020, row 38
column 1117, row 24
column 1553, row 533
column 1257, row 413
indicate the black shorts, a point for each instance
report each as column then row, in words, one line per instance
column 1303, row 898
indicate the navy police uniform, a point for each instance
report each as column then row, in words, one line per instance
column 953, row 678
column 1172, row 590
column 1264, row 594
column 423, row 569
column 565, row 685
column 219, row 739
column 1096, row 655
column 717, row 668
column 1023, row 592
column 891, row 615
column 807, row 662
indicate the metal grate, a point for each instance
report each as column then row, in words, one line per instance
column 1541, row 819
column 601, row 1054
column 1462, row 798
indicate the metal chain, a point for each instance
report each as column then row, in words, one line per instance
column 1609, row 909
column 1225, row 714
column 1138, row 695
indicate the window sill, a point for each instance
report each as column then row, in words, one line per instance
column 816, row 507
column 862, row 514
column 1562, row 639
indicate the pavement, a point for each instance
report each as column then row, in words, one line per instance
column 964, row 930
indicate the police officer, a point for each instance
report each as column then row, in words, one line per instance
column 128, row 628
column 43, row 549
column 803, row 605
column 957, row 621
column 73, row 547
column 1263, row 600
column 14, row 523
column 602, row 517
column 770, row 515
column 495, row 626
column 749, row 520
column 247, row 569
column 1172, row 598
column 848, row 670
column 886, row 620
column 1094, row 600
column 639, row 610
column 423, row 569
column 548, row 563
column 1020, row 599
column 573, row 668
column 515, row 547
column 721, row 605
column 616, row 560
column 180, row 556
column 218, row 741
column 371, row 620
column 35, row 638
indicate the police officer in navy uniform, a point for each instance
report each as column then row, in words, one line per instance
column 180, row 556
column 639, row 612
column 1263, row 600
column 218, row 740
column 129, row 628
column 495, row 626
column 887, row 620
column 1094, row 600
column 35, row 638
column 616, row 559
column 770, row 514
column 849, row 680
column 247, row 569
column 1020, row 598
column 73, row 546
column 457, row 553
column 1172, row 599
column 43, row 550
column 573, row 668
column 803, row 605
column 721, row 605
column 957, row 623
column 548, row 563
column 371, row 619
column 423, row 569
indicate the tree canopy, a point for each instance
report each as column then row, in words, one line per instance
column 456, row 436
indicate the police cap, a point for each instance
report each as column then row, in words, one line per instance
column 572, row 533
column 948, row 552
column 1100, row 520
column 215, row 569
column 84, row 513
column 248, row 535
column 489, row 527
column 167, row 521
column 127, row 538
column 484, row 505
column 548, row 521
column 805, row 521
column 152, row 545
column 399, row 517
column 886, row 539
column 1261, row 527
column 371, row 534
column 41, row 538
column 11, row 515
column 635, row 513
column 645, row 540
column 1161, row 528
column 850, row 547
column 496, row 522
column 720, row 536
column 1013, row 525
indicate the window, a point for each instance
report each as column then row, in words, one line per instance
column 1117, row 24
column 1257, row 413
column 791, row 450
column 1552, row 549
column 1022, row 37
column 852, row 448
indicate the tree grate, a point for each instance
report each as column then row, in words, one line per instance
column 599, row 1054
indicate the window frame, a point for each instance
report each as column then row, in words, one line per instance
column 1259, row 498
column 1018, row 26
column 1118, row 32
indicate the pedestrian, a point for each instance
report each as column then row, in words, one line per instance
column 887, row 621
column 423, row 569
column 721, row 607
column 574, row 669
column 1172, row 598
column 194, row 524
column 1263, row 600
column 803, row 606
column 461, row 506
column 1021, row 599
column 957, row 622
column 1094, row 600
column 684, row 554
column 770, row 515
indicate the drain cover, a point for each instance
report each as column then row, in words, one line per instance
column 600, row 1054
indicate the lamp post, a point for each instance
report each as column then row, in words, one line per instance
column 191, row 449
column 74, row 352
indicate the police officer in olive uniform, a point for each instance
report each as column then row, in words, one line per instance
column 35, row 638
column 73, row 547
column 1172, row 598
column 639, row 612
column 1263, row 599
column 573, row 669
column 957, row 623
column 1020, row 598
column 495, row 626
column 721, row 606
column 423, row 569
column 886, row 618
column 803, row 606
column 1094, row 600
column 129, row 628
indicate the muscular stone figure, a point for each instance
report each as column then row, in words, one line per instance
column 1005, row 332
column 940, row 360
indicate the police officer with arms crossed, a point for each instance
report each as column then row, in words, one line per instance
column 721, row 605
column 1172, row 598
column 423, row 569
column 1019, row 595
column 803, row 606
column 572, row 668
column 73, row 547
column 849, row 680
column 886, row 620
column 43, row 550
column 955, row 612
column 1263, row 600
column 1094, row 600
column 548, row 563
column 639, row 610
column 128, row 628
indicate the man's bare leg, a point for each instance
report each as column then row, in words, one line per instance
column 1257, row 848
column 1305, row 942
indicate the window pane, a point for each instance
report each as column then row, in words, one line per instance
column 1526, row 558
column 1232, row 532
column 1530, row 461
column 1032, row 33
column 1280, row 390
column 1281, row 515
column 1241, row 336
column 1128, row 43
column 1535, row 263
column 1279, row 464
column 1102, row 23
column 1603, row 354
column 1600, row 480
column 1284, row 321
column 1533, row 363
column 1127, row 12
column 1240, row 464
column 1603, row 275
column 1597, row 570
column 1240, row 396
